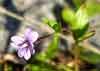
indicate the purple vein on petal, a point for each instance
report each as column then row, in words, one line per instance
column 31, row 36
column 21, row 52
column 14, row 46
column 27, row 32
column 34, row 36
column 32, row 50
column 17, row 39
column 27, row 54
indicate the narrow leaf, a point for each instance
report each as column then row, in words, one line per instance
column 86, row 36
column 53, row 24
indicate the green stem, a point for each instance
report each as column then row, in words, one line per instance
column 76, row 59
column 76, row 52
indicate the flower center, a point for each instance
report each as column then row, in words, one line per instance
column 25, row 44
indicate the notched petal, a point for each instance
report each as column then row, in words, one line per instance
column 21, row 52
column 17, row 39
column 28, row 31
column 33, row 36
column 27, row 54
column 13, row 45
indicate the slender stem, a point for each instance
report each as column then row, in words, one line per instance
column 76, row 55
column 76, row 52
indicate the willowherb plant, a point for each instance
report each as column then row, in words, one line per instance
column 78, row 23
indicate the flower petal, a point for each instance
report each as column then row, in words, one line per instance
column 27, row 54
column 31, row 36
column 31, row 46
column 28, row 31
column 24, row 45
column 21, row 52
column 33, row 51
column 17, row 39
column 13, row 45
column 34, row 36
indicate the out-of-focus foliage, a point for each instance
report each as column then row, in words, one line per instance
column 65, row 68
column 89, row 56
column 78, row 21
column 51, row 49
column 42, row 67
column 87, row 35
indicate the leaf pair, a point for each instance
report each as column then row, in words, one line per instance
column 78, row 21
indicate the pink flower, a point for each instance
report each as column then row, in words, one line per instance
column 25, row 45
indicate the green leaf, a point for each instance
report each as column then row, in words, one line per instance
column 82, row 18
column 85, row 12
column 53, row 24
column 41, row 57
column 77, row 21
column 81, row 25
column 79, row 33
column 39, row 67
column 89, row 56
column 86, row 36
column 68, row 15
